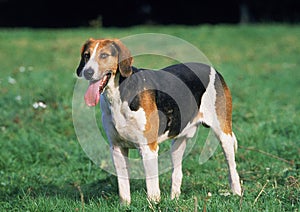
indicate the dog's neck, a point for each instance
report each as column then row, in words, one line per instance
column 111, row 92
column 117, row 88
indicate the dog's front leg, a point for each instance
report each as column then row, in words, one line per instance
column 120, row 159
column 150, row 162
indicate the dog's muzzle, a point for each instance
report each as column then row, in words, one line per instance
column 88, row 73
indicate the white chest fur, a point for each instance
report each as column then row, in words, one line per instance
column 119, row 121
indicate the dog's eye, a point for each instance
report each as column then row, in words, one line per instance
column 86, row 56
column 104, row 55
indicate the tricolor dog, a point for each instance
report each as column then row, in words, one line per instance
column 141, row 108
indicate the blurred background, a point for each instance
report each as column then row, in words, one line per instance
column 57, row 14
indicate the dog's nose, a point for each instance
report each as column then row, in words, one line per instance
column 88, row 73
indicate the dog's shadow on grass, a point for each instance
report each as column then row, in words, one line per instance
column 105, row 188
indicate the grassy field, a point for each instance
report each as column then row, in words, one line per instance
column 43, row 167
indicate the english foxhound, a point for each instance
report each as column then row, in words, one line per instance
column 141, row 108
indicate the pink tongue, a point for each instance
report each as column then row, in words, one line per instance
column 92, row 95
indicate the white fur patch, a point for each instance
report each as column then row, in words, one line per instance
column 207, row 107
column 129, row 124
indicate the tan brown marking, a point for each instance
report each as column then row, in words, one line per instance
column 124, row 58
column 147, row 102
column 223, row 105
column 88, row 46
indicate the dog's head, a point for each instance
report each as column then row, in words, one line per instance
column 100, row 61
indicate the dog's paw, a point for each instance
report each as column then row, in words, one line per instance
column 236, row 189
column 125, row 201
column 175, row 194
column 154, row 198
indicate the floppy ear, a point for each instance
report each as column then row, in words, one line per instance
column 124, row 58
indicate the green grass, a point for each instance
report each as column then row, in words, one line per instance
column 43, row 167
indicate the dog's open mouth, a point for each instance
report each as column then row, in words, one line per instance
column 92, row 95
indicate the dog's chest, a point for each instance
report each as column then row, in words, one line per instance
column 120, row 122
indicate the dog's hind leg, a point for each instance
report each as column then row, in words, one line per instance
column 178, row 148
column 228, row 143
column 120, row 159
column 223, row 130
column 217, row 114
